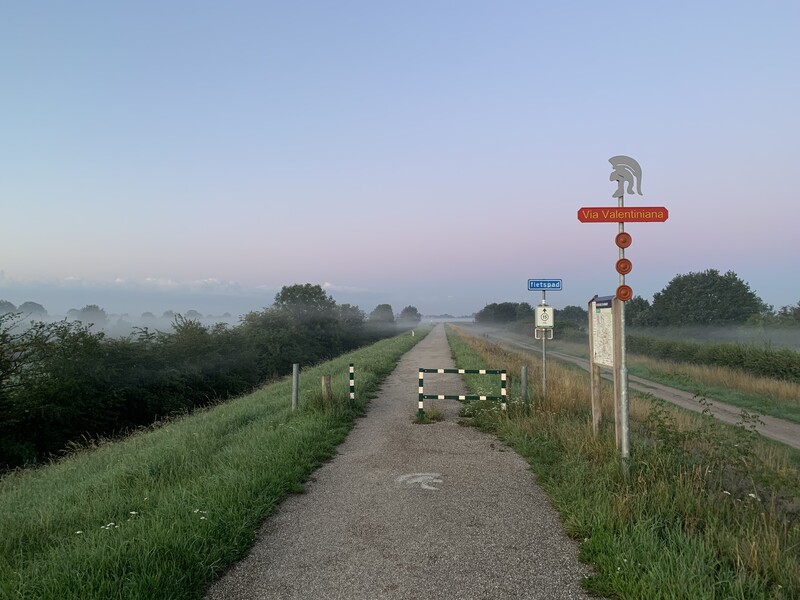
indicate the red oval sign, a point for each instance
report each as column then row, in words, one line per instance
column 624, row 293
column 623, row 239
column 624, row 266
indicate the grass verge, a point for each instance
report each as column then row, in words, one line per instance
column 707, row 510
column 165, row 512
column 774, row 397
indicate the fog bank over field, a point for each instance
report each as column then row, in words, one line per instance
column 124, row 306
column 59, row 299
column 212, row 297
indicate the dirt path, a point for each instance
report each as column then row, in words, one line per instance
column 413, row 511
column 781, row 430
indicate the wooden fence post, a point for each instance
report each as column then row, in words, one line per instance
column 523, row 384
column 326, row 389
column 295, row 385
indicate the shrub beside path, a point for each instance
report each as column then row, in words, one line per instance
column 413, row 511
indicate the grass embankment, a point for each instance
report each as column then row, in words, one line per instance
column 768, row 396
column 707, row 510
column 163, row 513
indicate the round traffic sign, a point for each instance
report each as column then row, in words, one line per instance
column 623, row 239
column 624, row 266
column 624, row 292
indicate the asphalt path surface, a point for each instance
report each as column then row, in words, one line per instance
column 413, row 511
column 774, row 428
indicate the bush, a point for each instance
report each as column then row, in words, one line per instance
column 62, row 382
column 762, row 361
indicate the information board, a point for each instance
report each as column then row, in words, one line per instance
column 602, row 335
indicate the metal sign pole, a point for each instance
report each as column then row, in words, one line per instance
column 544, row 354
column 627, row 173
column 544, row 320
column 623, row 365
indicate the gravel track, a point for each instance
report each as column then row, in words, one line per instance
column 413, row 511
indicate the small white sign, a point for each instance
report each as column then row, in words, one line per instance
column 544, row 316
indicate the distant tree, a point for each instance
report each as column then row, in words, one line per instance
column 32, row 309
column 382, row 315
column 409, row 316
column 91, row 314
column 524, row 311
column 351, row 316
column 6, row 307
column 193, row 314
column 504, row 312
column 313, row 320
column 576, row 315
column 789, row 314
column 785, row 316
column 705, row 298
column 637, row 312
column 352, row 321
column 301, row 300
column 148, row 316
column 168, row 314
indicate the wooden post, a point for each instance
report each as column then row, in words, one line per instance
column 295, row 385
column 594, row 371
column 326, row 389
column 523, row 384
column 597, row 400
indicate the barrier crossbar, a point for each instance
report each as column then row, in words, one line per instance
column 423, row 396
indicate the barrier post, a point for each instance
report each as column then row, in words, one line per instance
column 421, row 403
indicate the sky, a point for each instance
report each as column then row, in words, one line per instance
column 201, row 155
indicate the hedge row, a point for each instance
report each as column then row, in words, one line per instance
column 762, row 361
column 61, row 383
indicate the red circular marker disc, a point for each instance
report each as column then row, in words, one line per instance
column 623, row 239
column 624, row 293
column 624, row 266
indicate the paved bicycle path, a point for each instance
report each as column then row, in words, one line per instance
column 413, row 511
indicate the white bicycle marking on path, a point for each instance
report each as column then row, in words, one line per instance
column 423, row 479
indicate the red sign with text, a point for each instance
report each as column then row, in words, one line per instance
column 625, row 214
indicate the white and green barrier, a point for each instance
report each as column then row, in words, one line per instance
column 423, row 396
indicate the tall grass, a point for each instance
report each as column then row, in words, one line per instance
column 164, row 512
column 775, row 397
column 706, row 510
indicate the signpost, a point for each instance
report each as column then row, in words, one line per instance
column 534, row 285
column 629, row 214
column 627, row 173
column 544, row 320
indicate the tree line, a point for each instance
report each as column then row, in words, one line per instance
column 698, row 298
column 63, row 381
